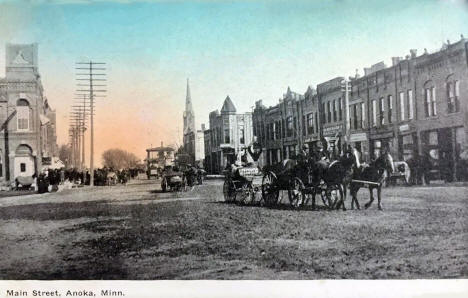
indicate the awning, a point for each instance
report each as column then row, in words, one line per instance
column 44, row 119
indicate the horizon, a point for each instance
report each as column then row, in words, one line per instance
column 247, row 50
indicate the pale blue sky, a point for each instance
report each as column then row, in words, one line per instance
column 248, row 49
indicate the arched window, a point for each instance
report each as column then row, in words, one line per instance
column 22, row 114
column 430, row 107
column 453, row 93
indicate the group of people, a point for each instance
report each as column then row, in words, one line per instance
column 49, row 180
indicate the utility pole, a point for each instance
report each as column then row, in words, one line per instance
column 92, row 73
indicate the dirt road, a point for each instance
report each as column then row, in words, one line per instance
column 137, row 232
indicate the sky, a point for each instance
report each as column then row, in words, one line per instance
column 249, row 50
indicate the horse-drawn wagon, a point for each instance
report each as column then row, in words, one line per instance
column 242, row 184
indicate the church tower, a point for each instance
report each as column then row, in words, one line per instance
column 189, row 116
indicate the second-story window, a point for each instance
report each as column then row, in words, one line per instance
column 289, row 126
column 340, row 108
column 22, row 115
column 382, row 111
column 316, row 123
column 227, row 139
column 334, row 111
column 328, row 112
column 430, row 102
column 310, row 123
column 374, row 112
column 410, row 104
column 242, row 135
column 453, row 88
column 363, row 114
column 355, row 117
column 401, row 99
column 390, row 108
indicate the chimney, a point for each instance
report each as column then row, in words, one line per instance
column 395, row 60
column 203, row 127
column 161, row 144
column 367, row 71
column 413, row 53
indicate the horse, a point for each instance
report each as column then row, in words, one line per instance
column 336, row 174
column 372, row 173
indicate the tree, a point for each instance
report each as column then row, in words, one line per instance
column 118, row 159
column 65, row 155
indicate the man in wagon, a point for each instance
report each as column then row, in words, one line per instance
column 255, row 150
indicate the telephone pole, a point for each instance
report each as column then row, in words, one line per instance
column 93, row 75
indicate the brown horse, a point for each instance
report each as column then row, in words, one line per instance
column 374, row 173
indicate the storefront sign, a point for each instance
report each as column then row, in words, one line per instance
column 332, row 130
column 404, row 127
column 358, row 137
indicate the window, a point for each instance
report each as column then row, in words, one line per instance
column 410, row 104
column 340, row 109
column 22, row 167
column 382, row 111
column 22, row 114
column 402, row 105
column 242, row 135
column 227, row 139
column 453, row 89
column 374, row 112
column 304, row 130
column 363, row 114
column 310, row 123
column 390, row 108
column 355, row 117
column 334, row 111
column 278, row 130
column 316, row 123
column 328, row 112
column 289, row 126
column 430, row 102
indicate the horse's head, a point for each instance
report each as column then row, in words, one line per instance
column 385, row 162
column 350, row 158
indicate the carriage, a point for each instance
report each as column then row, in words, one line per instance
column 172, row 179
column 242, row 185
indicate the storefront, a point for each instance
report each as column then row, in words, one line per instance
column 407, row 142
column 443, row 148
column 360, row 143
column 382, row 142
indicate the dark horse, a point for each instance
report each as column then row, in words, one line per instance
column 373, row 173
column 336, row 175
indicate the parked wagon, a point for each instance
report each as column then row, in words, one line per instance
column 402, row 172
column 242, row 185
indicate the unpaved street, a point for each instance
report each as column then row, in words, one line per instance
column 137, row 232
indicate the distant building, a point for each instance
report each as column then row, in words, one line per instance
column 416, row 107
column 278, row 128
column 229, row 133
column 192, row 139
column 28, row 124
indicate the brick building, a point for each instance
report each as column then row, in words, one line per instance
column 28, row 132
column 229, row 133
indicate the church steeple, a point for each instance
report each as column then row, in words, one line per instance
column 188, row 98
column 189, row 115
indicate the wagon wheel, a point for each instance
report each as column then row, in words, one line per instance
column 296, row 193
column 270, row 193
column 334, row 196
column 246, row 194
column 229, row 191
